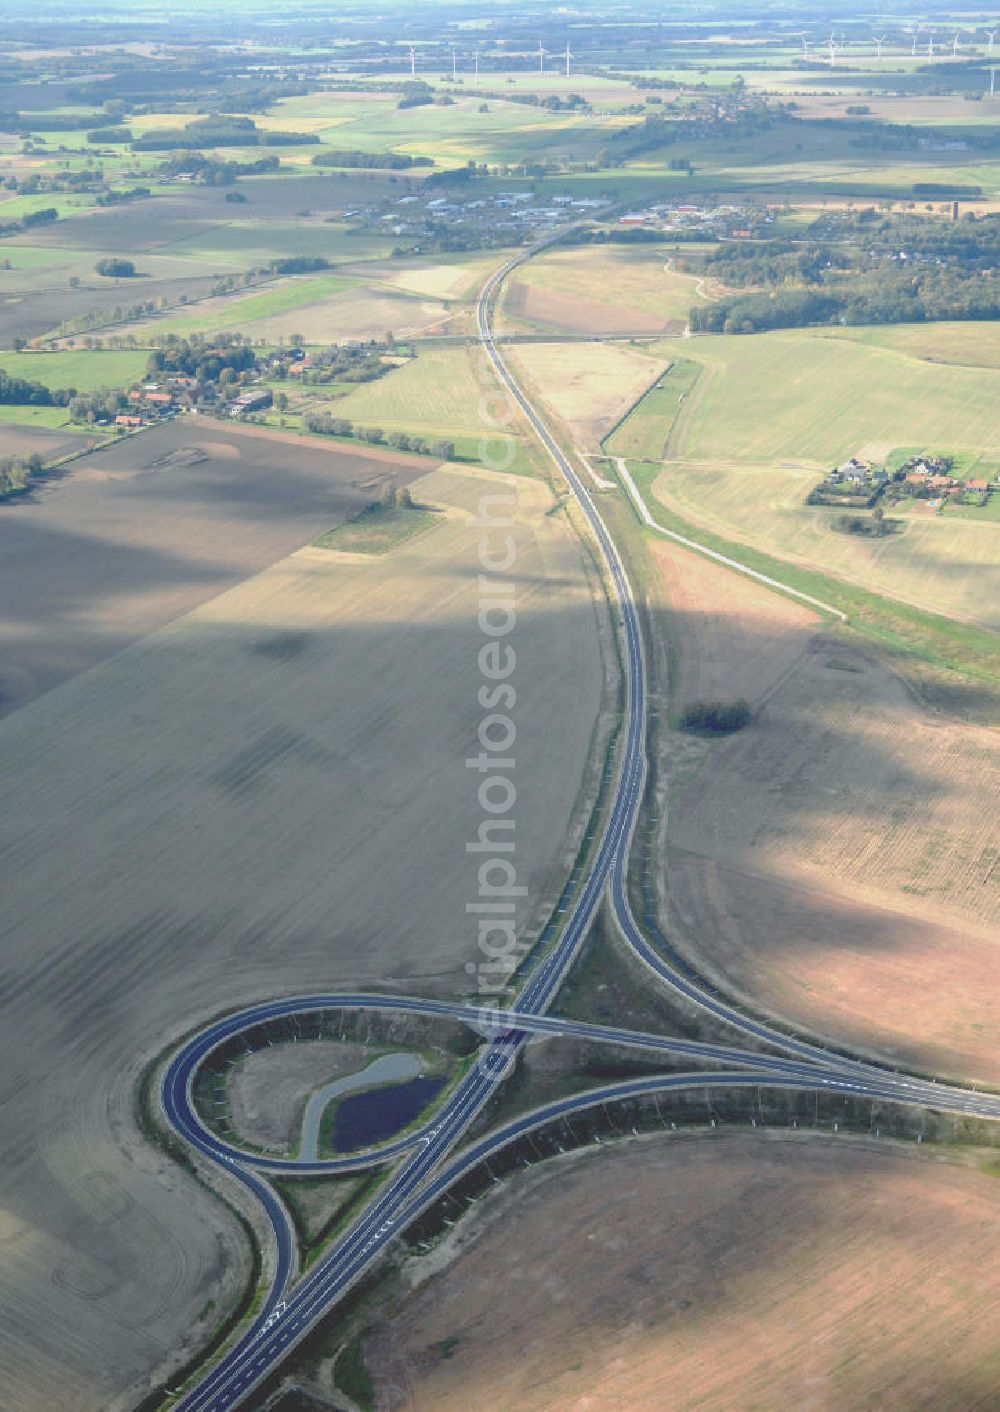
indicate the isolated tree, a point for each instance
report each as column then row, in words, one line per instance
column 390, row 496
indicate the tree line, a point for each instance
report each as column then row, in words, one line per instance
column 385, row 161
column 23, row 392
column 323, row 424
column 891, row 296
column 16, row 473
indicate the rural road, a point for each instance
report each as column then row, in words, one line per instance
column 293, row 1307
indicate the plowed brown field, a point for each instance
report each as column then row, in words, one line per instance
column 266, row 796
column 142, row 531
column 740, row 1272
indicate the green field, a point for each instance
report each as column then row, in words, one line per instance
column 377, row 529
column 14, row 207
column 800, row 396
column 643, row 434
column 76, row 368
column 972, row 344
column 242, row 244
column 435, row 393
column 53, row 417
column 768, row 414
column 243, row 311
column 910, row 634
column 506, row 132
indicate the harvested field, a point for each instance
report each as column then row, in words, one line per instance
column 18, row 440
column 249, row 801
column 944, row 563
column 358, row 313
column 442, row 278
column 587, row 386
column 835, row 860
column 624, row 288
column 574, row 313
column 739, row 1271
column 717, row 655
column 144, row 530
column 435, row 394
column 192, row 212
column 43, row 309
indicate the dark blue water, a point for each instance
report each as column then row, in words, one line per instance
column 363, row 1119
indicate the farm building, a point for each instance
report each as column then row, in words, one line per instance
column 247, row 402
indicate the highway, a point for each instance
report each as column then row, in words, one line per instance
column 425, row 1165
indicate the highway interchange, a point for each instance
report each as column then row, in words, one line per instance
column 427, row 1163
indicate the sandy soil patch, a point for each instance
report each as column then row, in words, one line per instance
column 140, row 532
column 746, row 1272
column 587, row 386
column 249, row 801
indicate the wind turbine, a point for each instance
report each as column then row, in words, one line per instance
column 993, row 82
column 541, row 57
column 991, row 34
column 879, row 40
column 913, row 51
column 955, row 46
column 805, row 47
column 475, row 58
column 833, row 50
column 568, row 56
column 454, row 63
column 413, row 61
column 930, row 45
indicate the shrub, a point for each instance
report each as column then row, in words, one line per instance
column 716, row 717
column 115, row 268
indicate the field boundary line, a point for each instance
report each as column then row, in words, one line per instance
column 641, row 508
column 647, row 392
